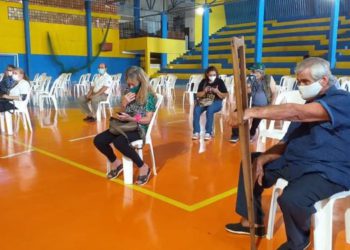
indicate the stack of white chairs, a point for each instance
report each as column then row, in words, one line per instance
column 116, row 83
column 191, row 89
column 50, row 93
column 138, row 145
column 344, row 83
column 155, row 82
column 38, row 81
column 62, row 86
column 287, row 83
column 82, row 87
column 170, row 85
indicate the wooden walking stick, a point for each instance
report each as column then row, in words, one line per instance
column 239, row 72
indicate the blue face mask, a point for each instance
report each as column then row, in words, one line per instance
column 135, row 89
column 101, row 71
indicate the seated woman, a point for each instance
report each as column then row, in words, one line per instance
column 137, row 105
column 20, row 89
column 211, row 92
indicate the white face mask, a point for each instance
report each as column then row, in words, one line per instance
column 310, row 91
column 16, row 78
column 101, row 71
column 212, row 78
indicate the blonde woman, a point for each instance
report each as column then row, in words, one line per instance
column 137, row 105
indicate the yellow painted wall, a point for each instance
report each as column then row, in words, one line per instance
column 173, row 47
column 67, row 39
column 217, row 21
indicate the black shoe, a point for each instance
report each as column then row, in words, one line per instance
column 237, row 228
column 87, row 118
column 234, row 139
column 114, row 173
column 91, row 119
column 143, row 179
column 284, row 246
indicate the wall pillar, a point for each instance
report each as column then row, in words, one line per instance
column 164, row 56
column 333, row 34
column 88, row 11
column 26, row 19
column 205, row 37
column 259, row 35
column 137, row 16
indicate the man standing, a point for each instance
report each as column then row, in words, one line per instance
column 98, row 92
column 313, row 156
column 262, row 89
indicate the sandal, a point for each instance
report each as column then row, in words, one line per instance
column 114, row 173
column 143, row 179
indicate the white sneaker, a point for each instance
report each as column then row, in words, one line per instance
column 207, row 136
column 195, row 136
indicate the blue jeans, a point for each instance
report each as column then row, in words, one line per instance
column 211, row 110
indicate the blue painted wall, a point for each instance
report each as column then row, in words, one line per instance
column 45, row 63
column 245, row 11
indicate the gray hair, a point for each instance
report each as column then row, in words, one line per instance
column 319, row 68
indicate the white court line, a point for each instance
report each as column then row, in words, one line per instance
column 82, row 138
column 15, row 154
column 178, row 121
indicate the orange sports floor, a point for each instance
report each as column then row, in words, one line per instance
column 54, row 194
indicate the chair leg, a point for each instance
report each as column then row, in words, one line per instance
column 8, row 120
column 153, row 159
column 279, row 186
column 28, row 121
column 323, row 225
column 272, row 213
column 98, row 112
column 2, row 122
column 347, row 225
column 128, row 170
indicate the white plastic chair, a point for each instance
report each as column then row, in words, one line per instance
column 287, row 83
column 1, row 76
column 101, row 109
column 6, row 118
column 170, row 85
column 138, row 145
column 191, row 89
column 272, row 131
column 345, row 85
column 50, row 95
column 323, row 218
column 155, row 82
column 22, row 112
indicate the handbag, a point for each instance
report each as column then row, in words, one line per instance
column 118, row 127
column 205, row 101
column 7, row 105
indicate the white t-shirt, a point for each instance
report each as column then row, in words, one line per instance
column 21, row 88
column 100, row 81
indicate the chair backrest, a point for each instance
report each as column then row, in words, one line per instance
column 170, row 81
column 345, row 85
column 287, row 83
column 196, row 81
column 150, row 126
column 285, row 97
column 1, row 76
column 54, row 86
column 222, row 77
column 229, row 83
column 155, row 82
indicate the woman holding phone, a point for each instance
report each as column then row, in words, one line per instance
column 137, row 105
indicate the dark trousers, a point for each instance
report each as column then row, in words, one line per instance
column 103, row 140
column 255, row 125
column 296, row 202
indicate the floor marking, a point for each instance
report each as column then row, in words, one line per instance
column 178, row 121
column 186, row 207
column 82, row 138
column 15, row 154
